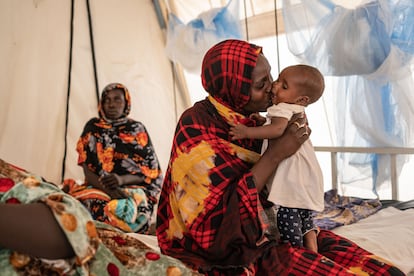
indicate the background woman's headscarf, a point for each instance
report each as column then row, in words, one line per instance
column 226, row 72
column 127, row 97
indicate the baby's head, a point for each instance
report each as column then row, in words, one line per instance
column 298, row 84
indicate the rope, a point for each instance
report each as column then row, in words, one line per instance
column 93, row 51
column 68, row 91
column 172, row 64
column 277, row 38
column 70, row 76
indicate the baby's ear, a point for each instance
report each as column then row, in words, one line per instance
column 303, row 100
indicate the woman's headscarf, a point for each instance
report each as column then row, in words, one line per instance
column 105, row 91
column 226, row 72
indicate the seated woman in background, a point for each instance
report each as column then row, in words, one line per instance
column 122, row 174
column 44, row 231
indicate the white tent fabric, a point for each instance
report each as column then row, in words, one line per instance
column 35, row 48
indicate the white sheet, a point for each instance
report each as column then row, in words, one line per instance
column 389, row 233
column 149, row 240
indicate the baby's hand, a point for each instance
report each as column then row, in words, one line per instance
column 260, row 120
column 238, row 131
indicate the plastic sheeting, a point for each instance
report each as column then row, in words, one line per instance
column 187, row 43
column 371, row 49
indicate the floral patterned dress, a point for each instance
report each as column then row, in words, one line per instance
column 121, row 146
column 100, row 249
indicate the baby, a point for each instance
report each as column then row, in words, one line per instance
column 297, row 186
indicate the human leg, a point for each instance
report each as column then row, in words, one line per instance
column 309, row 230
column 289, row 224
column 309, row 240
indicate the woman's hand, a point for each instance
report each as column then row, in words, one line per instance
column 297, row 132
column 111, row 181
column 116, row 193
column 112, row 184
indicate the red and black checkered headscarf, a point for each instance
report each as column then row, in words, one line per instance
column 227, row 72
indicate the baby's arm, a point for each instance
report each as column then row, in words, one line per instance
column 273, row 130
column 241, row 131
column 276, row 127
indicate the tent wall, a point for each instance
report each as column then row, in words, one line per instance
column 34, row 77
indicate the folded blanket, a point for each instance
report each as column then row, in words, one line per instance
column 343, row 210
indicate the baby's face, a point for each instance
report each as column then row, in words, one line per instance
column 287, row 88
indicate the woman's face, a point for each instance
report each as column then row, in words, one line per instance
column 260, row 98
column 114, row 104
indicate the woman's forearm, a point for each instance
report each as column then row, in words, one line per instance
column 32, row 229
column 91, row 178
column 278, row 150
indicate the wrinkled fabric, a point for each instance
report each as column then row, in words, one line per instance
column 100, row 249
column 302, row 189
column 187, row 43
column 344, row 210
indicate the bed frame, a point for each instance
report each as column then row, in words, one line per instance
column 391, row 151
